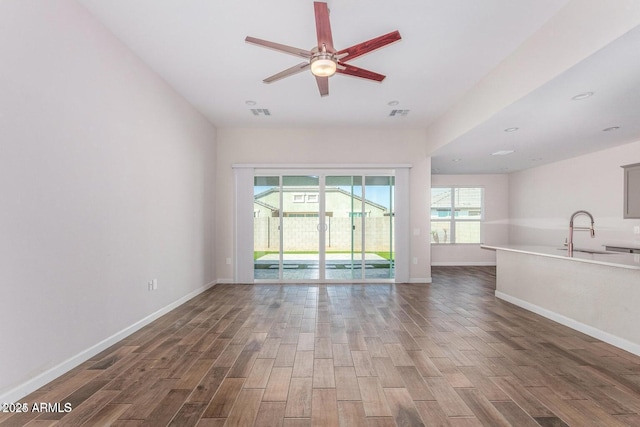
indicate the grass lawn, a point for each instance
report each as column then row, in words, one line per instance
column 259, row 254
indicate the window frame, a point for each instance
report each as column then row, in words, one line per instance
column 453, row 220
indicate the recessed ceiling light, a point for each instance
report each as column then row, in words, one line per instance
column 250, row 102
column 502, row 152
column 537, row 159
column 582, row 96
column 456, row 160
column 393, row 103
column 511, row 129
column 611, row 128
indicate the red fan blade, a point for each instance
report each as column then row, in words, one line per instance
column 323, row 26
column 359, row 72
column 279, row 47
column 288, row 72
column 368, row 46
column 323, row 85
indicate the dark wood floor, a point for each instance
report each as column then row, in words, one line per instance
column 448, row 353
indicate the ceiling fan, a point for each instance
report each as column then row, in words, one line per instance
column 324, row 60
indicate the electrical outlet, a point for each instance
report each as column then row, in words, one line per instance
column 415, row 260
column 636, row 229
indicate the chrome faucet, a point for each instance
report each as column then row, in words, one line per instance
column 571, row 228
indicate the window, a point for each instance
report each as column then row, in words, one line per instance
column 456, row 214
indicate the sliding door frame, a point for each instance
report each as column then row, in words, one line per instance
column 243, row 213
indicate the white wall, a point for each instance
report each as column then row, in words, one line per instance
column 495, row 229
column 541, row 200
column 322, row 147
column 106, row 182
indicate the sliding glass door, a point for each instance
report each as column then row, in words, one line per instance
column 266, row 227
column 301, row 228
column 323, row 227
column 379, row 227
column 343, row 236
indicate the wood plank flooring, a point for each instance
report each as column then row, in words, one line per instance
column 444, row 354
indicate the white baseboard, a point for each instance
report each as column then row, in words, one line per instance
column 46, row 377
column 225, row 282
column 464, row 264
column 420, row 280
column 614, row 340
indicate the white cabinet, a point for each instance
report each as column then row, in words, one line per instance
column 632, row 191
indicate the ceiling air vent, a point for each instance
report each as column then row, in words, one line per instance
column 260, row 112
column 398, row 113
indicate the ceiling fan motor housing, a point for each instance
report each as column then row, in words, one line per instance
column 323, row 64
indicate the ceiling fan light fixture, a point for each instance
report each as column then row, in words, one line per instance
column 323, row 65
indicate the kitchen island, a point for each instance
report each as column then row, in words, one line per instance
column 595, row 293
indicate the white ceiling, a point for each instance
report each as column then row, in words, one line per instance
column 551, row 125
column 198, row 47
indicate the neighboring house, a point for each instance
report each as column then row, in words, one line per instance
column 344, row 226
column 303, row 202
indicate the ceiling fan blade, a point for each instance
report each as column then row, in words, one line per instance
column 279, row 47
column 368, row 46
column 323, row 85
column 359, row 72
column 323, row 26
column 288, row 72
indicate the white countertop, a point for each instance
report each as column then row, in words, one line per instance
column 613, row 259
